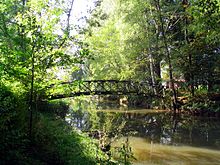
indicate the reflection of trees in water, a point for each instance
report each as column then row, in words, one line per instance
column 111, row 124
column 200, row 131
column 157, row 127
column 79, row 119
column 84, row 116
column 163, row 128
column 81, row 115
column 149, row 125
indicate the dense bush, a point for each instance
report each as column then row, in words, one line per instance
column 12, row 127
column 201, row 104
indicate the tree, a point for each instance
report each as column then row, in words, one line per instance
column 204, row 43
column 31, row 44
column 105, row 38
column 146, row 37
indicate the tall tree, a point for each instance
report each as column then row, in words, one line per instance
column 158, row 34
column 105, row 38
column 204, row 45
column 31, row 44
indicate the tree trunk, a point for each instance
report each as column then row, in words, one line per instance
column 191, row 74
column 152, row 73
column 168, row 55
column 157, row 69
column 31, row 99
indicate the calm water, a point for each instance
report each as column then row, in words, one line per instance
column 156, row 137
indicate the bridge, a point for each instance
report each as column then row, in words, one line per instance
column 102, row 87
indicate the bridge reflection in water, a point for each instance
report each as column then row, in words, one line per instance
column 106, row 87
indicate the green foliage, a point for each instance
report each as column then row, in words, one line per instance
column 109, row 59
column 203, row 43
column 124, row 42
column 129, row 43
column 33, row 42
column 54, row 142
column 124, row 153
column 62, row 144
column 201, row 104
column 12, row 126
column 7, row 99
column 12, row 106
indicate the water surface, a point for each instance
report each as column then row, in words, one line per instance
column 155, row 136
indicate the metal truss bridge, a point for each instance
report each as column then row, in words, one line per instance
column 101, row 87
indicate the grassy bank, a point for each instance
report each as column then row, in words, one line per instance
column 53, row 141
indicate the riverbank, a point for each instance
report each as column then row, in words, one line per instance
column 52, row 140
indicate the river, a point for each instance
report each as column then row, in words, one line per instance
column 155, row 136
